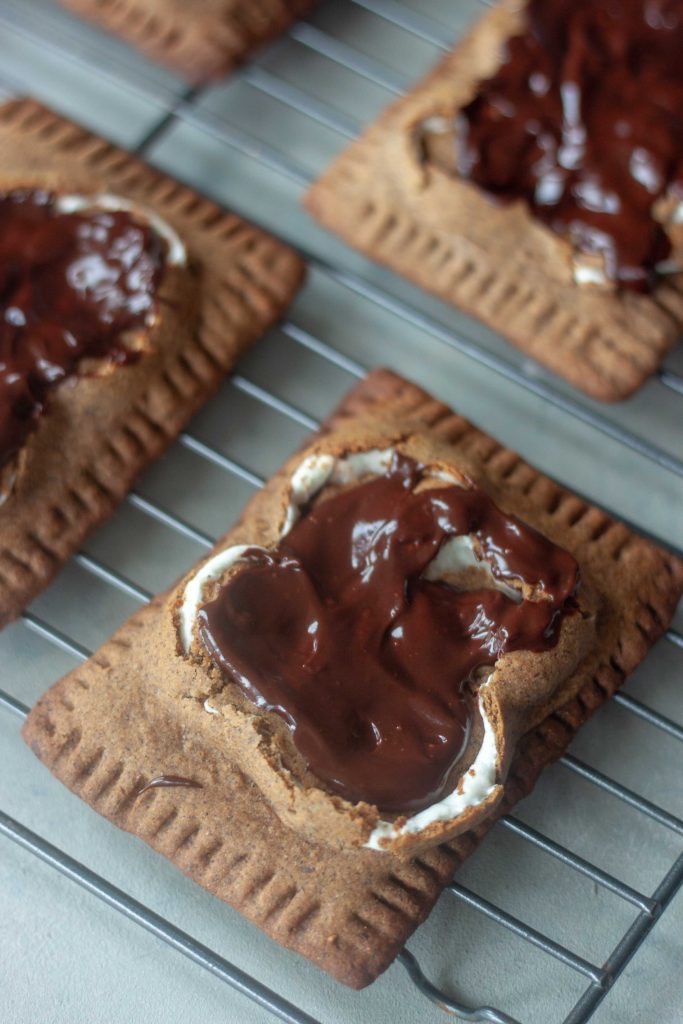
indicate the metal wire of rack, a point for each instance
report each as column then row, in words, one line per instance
column 175, row 106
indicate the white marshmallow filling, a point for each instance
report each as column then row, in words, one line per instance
column 176, row 254
column 474, row 787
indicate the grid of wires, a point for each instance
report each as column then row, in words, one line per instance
column 173, row 106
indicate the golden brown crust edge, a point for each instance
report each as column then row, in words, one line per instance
column 200, row 41
column 350, row 913
column 496, row 262
column 238, row 283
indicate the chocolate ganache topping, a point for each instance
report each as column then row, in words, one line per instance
column 71, row 286
column 583, row 121
column 339, row 631
column 166, row 781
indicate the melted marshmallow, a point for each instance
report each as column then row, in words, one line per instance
column 457, row 554
column 475, row 786
column 176, row 255
column 209, row 573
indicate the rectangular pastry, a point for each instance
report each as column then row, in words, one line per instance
column 325, row 716
column 199, row 41
column 126, row 297
column 535, row 179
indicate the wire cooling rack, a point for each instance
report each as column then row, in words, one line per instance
column 255, row 142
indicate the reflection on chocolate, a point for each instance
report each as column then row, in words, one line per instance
column 71, row 285
column 162, row 781
column 583, row 121
column 366, row 660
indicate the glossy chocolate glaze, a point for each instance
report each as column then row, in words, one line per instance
column 163, row 781
column 71, row 286
column 368, row 662
column 583, row 121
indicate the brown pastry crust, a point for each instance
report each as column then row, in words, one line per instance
column 199, row 41
column 101, row 430
column 112, row 724
column 495, row 261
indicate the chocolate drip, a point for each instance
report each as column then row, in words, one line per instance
column 339, row 633
column 584, row 122
column 71, row 286
column 162, row 781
